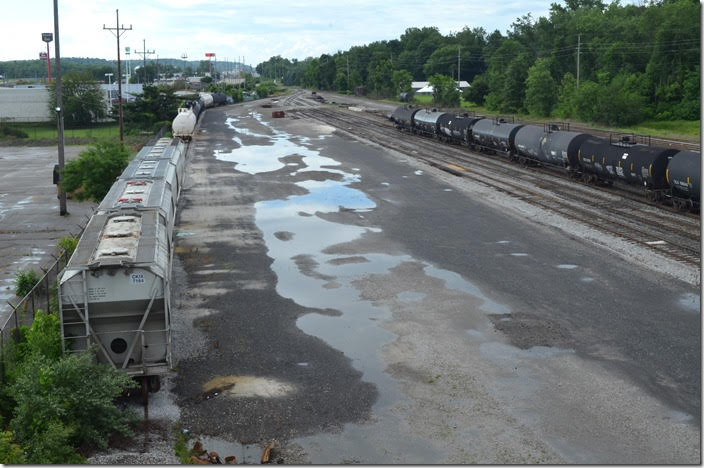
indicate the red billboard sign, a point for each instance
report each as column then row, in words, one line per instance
column 209, row 54
column 43, row 55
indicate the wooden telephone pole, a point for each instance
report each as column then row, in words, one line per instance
column 118, row 31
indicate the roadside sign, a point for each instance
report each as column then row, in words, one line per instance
column 43, row 55
column 209, row 54
column 47, row 37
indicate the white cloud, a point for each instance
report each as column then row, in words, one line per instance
column 232, row 28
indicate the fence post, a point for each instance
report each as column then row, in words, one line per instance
column 2, row 356
column 46, row 289
column 14, row 311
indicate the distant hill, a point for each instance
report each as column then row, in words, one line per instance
column 36, row 69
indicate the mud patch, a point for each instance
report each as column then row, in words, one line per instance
column 348, row 260
column 283, row 235
column 527, row 330
column 307, row 265
column 247, row 386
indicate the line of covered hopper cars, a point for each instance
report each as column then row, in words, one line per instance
column 666, row 174
column 115, row 290
column 184, row 123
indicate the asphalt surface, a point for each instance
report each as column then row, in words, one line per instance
column 30, row 224
column 357, row 306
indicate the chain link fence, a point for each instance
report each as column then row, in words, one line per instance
column 43, row 296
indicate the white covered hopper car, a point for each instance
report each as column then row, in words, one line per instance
column 114, row 293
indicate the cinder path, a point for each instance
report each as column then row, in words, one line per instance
column 360, row 307
column 30, row 224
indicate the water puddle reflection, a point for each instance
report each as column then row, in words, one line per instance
column 299, row 241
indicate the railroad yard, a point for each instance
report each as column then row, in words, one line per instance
column 344, row 293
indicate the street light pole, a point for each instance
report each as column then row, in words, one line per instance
column 109, row 75
column 48, row 37
column 59, row 112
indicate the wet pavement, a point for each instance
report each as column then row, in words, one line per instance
column 350, row 305
column 30, row 224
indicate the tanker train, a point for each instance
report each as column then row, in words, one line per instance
column 115, row 291
column 185, row 121
column 666, row 174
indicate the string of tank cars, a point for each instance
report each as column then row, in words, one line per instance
column 666, row 174
column 625, row 218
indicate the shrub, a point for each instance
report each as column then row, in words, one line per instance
column 10, row 452
column 68, row 245
column 6, row 131
column 25, row 280
column 67, row 403
column 95, row 170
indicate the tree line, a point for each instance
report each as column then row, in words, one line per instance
column 635, row 62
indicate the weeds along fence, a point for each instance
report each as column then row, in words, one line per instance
column 43, row 296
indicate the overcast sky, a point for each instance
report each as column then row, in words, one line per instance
column 256, row 30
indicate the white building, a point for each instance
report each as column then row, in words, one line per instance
column 24, row 104
column 424, row 87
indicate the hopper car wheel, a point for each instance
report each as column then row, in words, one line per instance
column 154, row 383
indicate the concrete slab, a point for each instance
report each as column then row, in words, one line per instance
column 30, row 224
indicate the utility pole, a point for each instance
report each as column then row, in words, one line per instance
column 458, row 66
column 184, row 56
column 579, row 46
column 349, row 87
column 117, row 32
column 144, row 54
column 129, row 69
column 59, row 112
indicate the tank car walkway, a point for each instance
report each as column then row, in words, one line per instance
column 360, row 307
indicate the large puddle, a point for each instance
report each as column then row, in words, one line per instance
column 298, row 240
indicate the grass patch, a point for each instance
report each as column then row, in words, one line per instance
column 668, row 128
column 48, row 131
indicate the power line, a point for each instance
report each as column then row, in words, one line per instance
column 144, row 54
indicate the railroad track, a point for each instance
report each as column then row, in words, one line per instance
column 675, row 235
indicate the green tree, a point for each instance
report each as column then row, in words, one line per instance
column 445, row 91
column 402, row 80
column 311, row 76
column 442, row 61
column 477, row 91
column 566, row 97
column 381, row 79
column 540, row 89
column 95, row 170
column 149, row 111
column 83, row 102
column 586, row 105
